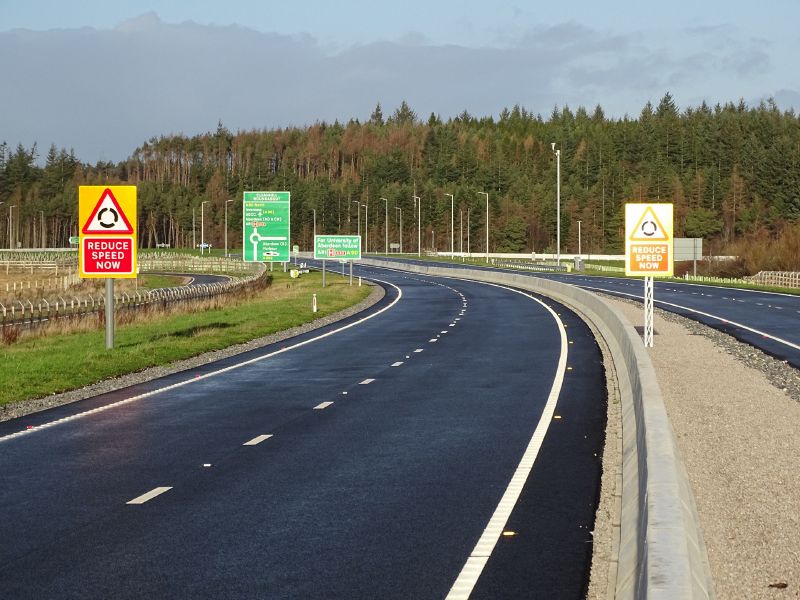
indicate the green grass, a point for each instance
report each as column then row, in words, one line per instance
column 150, row 281
column 38, row 366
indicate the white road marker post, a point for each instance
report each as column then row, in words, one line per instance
column 314, row 303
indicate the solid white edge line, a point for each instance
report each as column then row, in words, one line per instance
column 468, row 577
column 257, row 440
column 322, row 405
column 700, row 312
column 149, row 495
column 207, row 375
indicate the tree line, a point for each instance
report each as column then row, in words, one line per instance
column 731, row 171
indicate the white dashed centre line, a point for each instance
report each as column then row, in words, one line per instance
column 421, row 349
column 149, row 495
column 366, row 382
column 433, row 340
column 257, row 440
column 397, row 364
column 322, row 405
column 445, row 331
column 452, row 325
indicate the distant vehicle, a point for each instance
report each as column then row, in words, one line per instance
column 204, row 245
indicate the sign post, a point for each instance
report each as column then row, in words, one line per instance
column 107, row 241
column 337, row 247
column 648, row 251
column 266, row 227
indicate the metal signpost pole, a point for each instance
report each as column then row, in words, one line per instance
column 109, row 313
column 648, row 312
column 351, row 272
column 323, row 273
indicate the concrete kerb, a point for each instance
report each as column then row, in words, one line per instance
column 661, row 548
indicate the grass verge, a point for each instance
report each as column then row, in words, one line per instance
column 39, row 366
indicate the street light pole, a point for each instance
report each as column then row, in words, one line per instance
column 461, row 231
column 401, row 227
column 452, row 232
column 487, row 224
column 558, row 201
column 386, row 224
column 469, row 250
column 418, row 200
column 10, row 225
column 314, row 210
column 226, row 226
column 366, row 227
column 579, row 239
column 194, row 239
column 203, row 225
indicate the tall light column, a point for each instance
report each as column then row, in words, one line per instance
column 579, row 239
column 452, row 232
column 314, row 210
column 418, row 200
column 461, row 232
column 203, row 226
column 366, row 227
column 487, row 224
column 558, row 201
column 226, row 226
column 469, row 250
column 401, row 227
column 386, row 225
column 10, row 226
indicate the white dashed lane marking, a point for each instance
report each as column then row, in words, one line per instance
column 322, row 405
column 257, row 440
column 421, row 349
column 397, row 364
column 149, row 495
column 366, row 382
column 433, row 340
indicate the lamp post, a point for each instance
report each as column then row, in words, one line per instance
column 366, row 227
column 579, row 239
column 461, row 232
column 194, row 239
column 469, row 251
column 10, row 225
column 226, row 226
column 487, row 224
column 9, row 240
column 43, row 231
column 314, row 210
column 386, row 224
column 401, row 227
column 558, row 201
column 418, row 202
column 203, row 226
column 452, row 232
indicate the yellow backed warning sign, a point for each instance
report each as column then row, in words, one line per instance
column 648, row 240
column 107, row 219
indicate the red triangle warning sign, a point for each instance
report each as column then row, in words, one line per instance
column 107, row 217
column 649, row 228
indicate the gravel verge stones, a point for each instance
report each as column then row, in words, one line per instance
column 735, row 413
column 20, row 409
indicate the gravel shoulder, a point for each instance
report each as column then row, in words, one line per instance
column 735, row 412
column 20, row 409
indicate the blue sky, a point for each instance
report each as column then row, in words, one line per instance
column 103, row 77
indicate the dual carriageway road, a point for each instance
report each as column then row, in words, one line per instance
column 455, row 424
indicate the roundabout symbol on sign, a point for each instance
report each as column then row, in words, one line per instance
column 104, row 223
column 649, row 228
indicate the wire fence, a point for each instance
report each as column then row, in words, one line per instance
column 46, row 309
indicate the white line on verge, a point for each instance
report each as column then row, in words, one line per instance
column 207, row 375
column 149, row 495
column 466, row 580
column 257, row 440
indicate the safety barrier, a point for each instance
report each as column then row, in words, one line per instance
column 661, row 550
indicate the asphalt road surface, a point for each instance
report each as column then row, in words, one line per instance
column 373, row 458
column 765, row 320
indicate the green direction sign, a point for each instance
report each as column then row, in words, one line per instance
column 337, row 247
column 73, row 240
column 266, row 227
